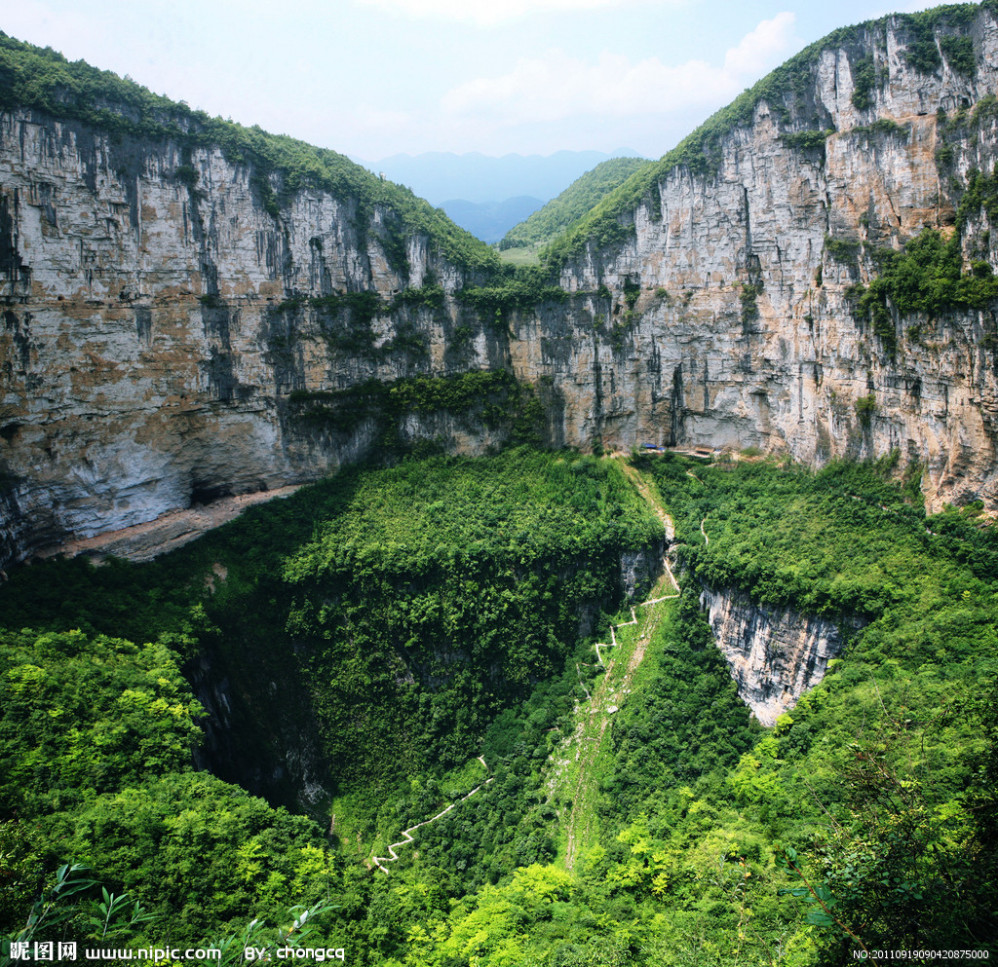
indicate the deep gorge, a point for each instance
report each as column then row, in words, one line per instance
column 798, row 304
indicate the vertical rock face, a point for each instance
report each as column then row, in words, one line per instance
column 640, row 569
column 727, row 315
column 774, row 656
column 174, row 320
column 158, row 320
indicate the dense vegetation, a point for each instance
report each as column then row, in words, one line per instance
column 572, row 204
column 96, row 737
column 490, row 400
column 122, row 709
column 890, row 746
column 927, row 278
column 474, row 554
column 409, row 606
column 43, row 80
column 469, row 574
column 432, row 612
column 520, row 287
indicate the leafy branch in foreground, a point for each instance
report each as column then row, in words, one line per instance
column 52, row 907
column 256, row 935
column 818, row 893
column 113, row 908
column 56, row 907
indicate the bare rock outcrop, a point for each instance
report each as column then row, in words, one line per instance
column 775, row 656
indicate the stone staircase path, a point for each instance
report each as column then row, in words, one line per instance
column 406, row 839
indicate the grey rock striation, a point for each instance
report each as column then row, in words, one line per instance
column 774, row 656
column 162, row 323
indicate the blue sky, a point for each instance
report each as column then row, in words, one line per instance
column 371, row 78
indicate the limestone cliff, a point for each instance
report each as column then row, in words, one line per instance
column 722, row 310
column 178, row 319
column 774, row 656
column 182, row 320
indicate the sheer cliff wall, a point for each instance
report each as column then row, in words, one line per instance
column 168, row 333
column 178, row 325
column 774, row 655
column 726, row 316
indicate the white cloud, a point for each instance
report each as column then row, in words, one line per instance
column 763, row 48
column 560, row 86
column 488, row 13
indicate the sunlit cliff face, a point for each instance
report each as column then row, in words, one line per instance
column 158, row 332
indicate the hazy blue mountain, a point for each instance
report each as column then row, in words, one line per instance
column 490, row 221
column 440, row 176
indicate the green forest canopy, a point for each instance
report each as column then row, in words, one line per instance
column 876, row 792
column 572, row 204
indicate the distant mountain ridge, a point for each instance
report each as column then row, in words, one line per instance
column 576, row 201
column 490, row 221
column 440, row 176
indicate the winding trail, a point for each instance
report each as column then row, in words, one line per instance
column 379, row 861
column 576, row 770
column 612, row 643
column 670, row 532
column 610, row 691
column 690, row 473
column 672, row 579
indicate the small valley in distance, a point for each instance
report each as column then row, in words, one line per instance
column 488, row 196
